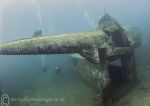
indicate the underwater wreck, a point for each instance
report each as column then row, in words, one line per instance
column 98, row 49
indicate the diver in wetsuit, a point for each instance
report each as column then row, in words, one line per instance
column 37, row 33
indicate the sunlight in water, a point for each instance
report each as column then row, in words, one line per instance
column 2, row 7
column 39, row 26
column 86, row 14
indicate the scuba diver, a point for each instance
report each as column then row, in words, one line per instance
column 44, row 68
column 37, row 33
column 57, row 70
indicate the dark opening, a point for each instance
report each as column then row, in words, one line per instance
column 118, row 77
column 117, row 38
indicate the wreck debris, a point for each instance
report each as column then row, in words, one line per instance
column 107, row 43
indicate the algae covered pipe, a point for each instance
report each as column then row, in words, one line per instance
column 110, row 34
column 57, row 44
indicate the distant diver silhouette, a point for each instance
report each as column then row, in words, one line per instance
column 57, row 70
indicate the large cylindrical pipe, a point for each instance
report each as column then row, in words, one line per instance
column 57, row 44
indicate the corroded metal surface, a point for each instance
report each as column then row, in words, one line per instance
column 63, row 43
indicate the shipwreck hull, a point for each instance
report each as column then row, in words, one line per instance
column 98, row 80
column 109, row 42
column 109, row 81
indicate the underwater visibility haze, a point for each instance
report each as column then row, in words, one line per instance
column 75, row 52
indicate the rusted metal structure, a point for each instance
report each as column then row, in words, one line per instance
column 109, row 42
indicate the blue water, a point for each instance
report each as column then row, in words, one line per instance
column 20, row 18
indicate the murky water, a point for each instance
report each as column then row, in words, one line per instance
column 44, row 80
